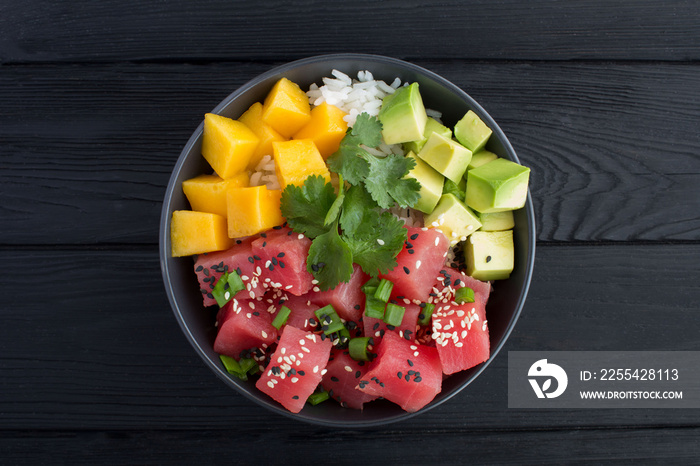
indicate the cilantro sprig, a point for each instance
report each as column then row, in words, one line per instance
column 352, row 226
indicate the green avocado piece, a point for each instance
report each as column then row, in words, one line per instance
column 403, row 116
column 481, row 158
column 490, row 255
column 497, row 186
column 471, row 132
column 453, row 218
column 446, row 156
column 430, row 184
column 432, row 126
column 496, row 221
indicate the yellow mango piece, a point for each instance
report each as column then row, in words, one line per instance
column 197, row 233
column 325, row 128
column 252, row 118
column 227, row 145
column 296, row 160
column 252, row 210
column 286, row 108
column 207, row 193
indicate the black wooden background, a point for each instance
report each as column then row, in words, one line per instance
column 601, row 99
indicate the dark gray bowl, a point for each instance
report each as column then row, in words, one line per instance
column 182, row 288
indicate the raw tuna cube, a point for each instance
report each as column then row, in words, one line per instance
column 302, row 312
column 420, row 259
column 405, row 373
column 295, row 368
column 243, row 325
column 347, row 298
column 342, row 377
column 376, row 328
column 449, row 280
column 282, row 256
column 461, row 336
column 209, row 268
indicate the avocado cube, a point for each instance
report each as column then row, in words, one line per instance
column 497, row 186
column 481, row 158
column 430, row 184
column 497, row 221
column 403, row 116
column 432, row 126
column 490, row 255
column 446, row 156
column 453, row 218
column 471, row 132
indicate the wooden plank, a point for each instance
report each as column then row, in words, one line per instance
column 89, row 342
column 269, row 445
column 38, row 31
column 612, row 146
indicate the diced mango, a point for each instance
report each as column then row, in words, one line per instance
column 227, row 145
column 298, row 159
column 252, row 210
column 207, row 193
column 252, row 118
column 326, row 128
column 197, row 233
column 286, row 108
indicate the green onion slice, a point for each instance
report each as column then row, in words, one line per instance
column 426, row 314
column 318, row 397
column 358, row 348
column 394, row 314
column 383, row 291
column 329, row 320
column 374, row 307
column 281, row 317
column 464, row 295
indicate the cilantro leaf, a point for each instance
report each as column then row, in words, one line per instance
column 305, row 207
column 357, row 206
column 386, row 184
column 348, row 161
column 376, row 242
column 330, row 259
column 368, row 130
column 334, row 210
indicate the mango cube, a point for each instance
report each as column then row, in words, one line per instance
column 252, row 210
column 197, row 233
column 207, row 193
column 227, row 145
column 253, row 119
column 326, row 128
column 286, row 108
column 298, row 159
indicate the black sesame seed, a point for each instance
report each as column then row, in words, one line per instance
column 264, row 243
column 410, row 363
column 381, row 384
column 264, row 235
column 357, row 307
column 302, row 373
column 210, row 296
column 256, row 257
column 202, row 290
column 239, row 271
column 399, row 374
column 488, row 259
column 250, row 259
column 405, row 269
column 281, row 264
column 256, row 313
column 206, row 279
column 292, row 371
column 417, row 379
column 271, row 267
column 278, row 227
column 391, row 327
column 295, row 397
column 409, row 245
column 407, row 377
column 457, row 282
column 411, row 372
column 358, row 374
column 289, row 233
column 206, row 272
column 211, row 285
column 238, row 241
column 199, row 269
column 414, row 236
column 314, row 267
column 411, row 251
column 376, row 326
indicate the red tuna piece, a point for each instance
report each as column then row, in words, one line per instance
column 282, row 256
column 376, row 328
column 243, row 325
column 341, row 379
column 461, row 336
column 347, row 299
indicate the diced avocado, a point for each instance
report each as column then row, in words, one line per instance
column 497, row 221
column 430, row 184
column 432, row 126
column 453, row 218
column 471, row 132
column 497, row 186
column 481, row 158
column 403, row 116
column 446, row 156
column 450, row 187
column 490, row 255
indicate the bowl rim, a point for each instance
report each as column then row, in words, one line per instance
column 164, row 234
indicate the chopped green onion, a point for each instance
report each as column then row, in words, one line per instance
column 464, row 295
column 426, row 314
column 383, row 291
column 329, row 320
column 241, row 368
column 358, row 348
column 374, row 307
column 318, row 397
column 281, row 317
column 226, row 287
column 394, row 314
column 370, row 287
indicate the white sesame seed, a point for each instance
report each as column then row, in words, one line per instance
column 437, row 241
column 267, row 264
column 305, row 349
column 464, row 334
column 413, row 347
column 459, row 344
column 244, row 278
column 323, row 372
column 295, row 379
column 380, row 241
column 315, row 288
column 300, row 236
column 315, row 370
column 263, row 333
column 258, row 270
column 435, row 224
column 289, row 287
column 227, row 295
column 283, row 350
column 416, row 353
column 418, row 263
column 252, row 295
column 314, row 282
column 302, row 342
column 348, row 369
column 270, row 384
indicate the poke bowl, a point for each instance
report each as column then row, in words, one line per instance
column 199, row 323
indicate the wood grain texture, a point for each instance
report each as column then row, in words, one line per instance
column 44, row 31
column 105, row 352
column 613, row 148
column 272, row 446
